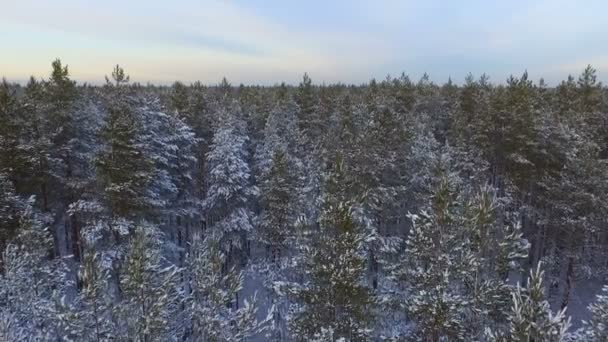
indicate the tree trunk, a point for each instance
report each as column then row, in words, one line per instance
column 569, row 282
column 76, row 251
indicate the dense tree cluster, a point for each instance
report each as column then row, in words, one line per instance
column 394, row 210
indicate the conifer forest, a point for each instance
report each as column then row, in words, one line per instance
column 395, row 210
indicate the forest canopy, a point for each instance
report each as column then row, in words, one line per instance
column 394, row 210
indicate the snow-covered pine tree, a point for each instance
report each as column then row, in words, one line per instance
column 497, row 249
column 278, row 173
column 379, row 164
column 530, row 318
column 149, row 285
column 123, row 173
column 11, row 207
column 214, row 314
column 456, row 264
column 573, row 203
column 123, row 169
column 13, row 154
column 334, row 295
column 589, row 91
column 29, row 281
column 52, row 135
column 183, row 147
column 38, row 144
column 92, row 306
column 61, row 94
column 80, row 180
column 471, row 102
column 277, row 134
column 589, row 108
column 169, row 143
column 309, row 120
column 277, row 217
column 179, row 99
column 596, row 329
column 73, row 120
column 428, row 266
column 230, row 188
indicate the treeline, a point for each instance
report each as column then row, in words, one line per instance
column 394, row 210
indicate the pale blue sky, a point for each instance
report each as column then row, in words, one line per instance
column 269, row 41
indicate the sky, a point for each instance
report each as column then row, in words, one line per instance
column 271, row 41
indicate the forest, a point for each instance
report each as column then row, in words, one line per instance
column 395, row 210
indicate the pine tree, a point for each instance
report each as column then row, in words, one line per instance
column 122, row 167
column 53, row 136
column 227, row 203
column 574, row 202
column 456, row 263
column 13, row 154
column 225, row 88
column 531, row 318
column 81, row 178
column 334, row 295
column 61, row 93
column 377, row 163
column 213, row 304
column 277, row 217
column 39, row 147
column 405, row 95
column 28, row 281
column 149, row 288
column 429, row 266
column 468, row 110
column 174, row 204
column 94, row 310
column 589, row 91
column 519, row 133
column 566, row 98
column 308, row 117
column 596, row 329
column 179, row 98
column 11, row 207
column 169, row 144
column 277, row 134
column 73, row 121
